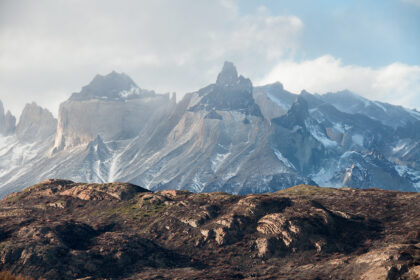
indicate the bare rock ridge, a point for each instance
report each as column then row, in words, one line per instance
column 60, row 229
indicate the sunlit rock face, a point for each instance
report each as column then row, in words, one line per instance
column 111, row 106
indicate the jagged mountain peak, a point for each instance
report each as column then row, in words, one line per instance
column 299, row 108
column 228, row 75
column 112, row 80
column 230, row 93
column 276, row 86
column 113, row 86
column 33, row 112
column 35, row 122
column 296, row 115
column 7, row 121
column 300, row 103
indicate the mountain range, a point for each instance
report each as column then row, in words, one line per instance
column 229, row 136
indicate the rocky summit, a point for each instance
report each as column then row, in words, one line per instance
column 59, row 229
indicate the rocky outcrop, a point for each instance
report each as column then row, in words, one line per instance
column 105, row 191
column 54, row 187
column 59, row 229
column 35, row 123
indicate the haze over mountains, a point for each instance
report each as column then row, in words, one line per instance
column 228, row 136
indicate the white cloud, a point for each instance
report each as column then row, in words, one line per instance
column 49, row 49
column 396, row 83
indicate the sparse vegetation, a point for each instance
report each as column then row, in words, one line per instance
column 116, row 231
column 306, row 190
column 7, row 275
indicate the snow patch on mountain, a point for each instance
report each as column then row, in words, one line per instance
column 358, row 139
column 380, row 106
column 324, row 177
column 133, row 91
column 401, row 145
column 284, row 160
column 278, row 101
column 218, row 160
column 414, row 175
column 197, row 184
column 318, row 135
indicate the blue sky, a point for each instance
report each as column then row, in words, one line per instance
column 368, row 33
column 51, row 48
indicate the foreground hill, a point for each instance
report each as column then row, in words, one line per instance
column 64, row 230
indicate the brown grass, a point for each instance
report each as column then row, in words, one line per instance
column 7, row 275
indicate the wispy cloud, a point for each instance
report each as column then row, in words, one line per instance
column 50, row 48
column 396, row 83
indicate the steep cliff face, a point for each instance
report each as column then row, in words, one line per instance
column 111, row 106
column 35, row 123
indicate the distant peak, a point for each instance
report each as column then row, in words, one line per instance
column 33, row 108
column 114, row 77
column 300, row 104
column 348, row 93
column 228, row 75
column 109, row 86
column 296, row 115
column 277, row 86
